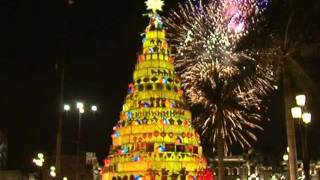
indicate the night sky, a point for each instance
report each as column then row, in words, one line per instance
column 98, row 40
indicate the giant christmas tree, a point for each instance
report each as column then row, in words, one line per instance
column 154, row 138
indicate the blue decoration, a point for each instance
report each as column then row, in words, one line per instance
column 162, row 148
column 136, row 158
column 116, row 134
column 165, row 121
column 129, row 114
column 137, row 177
column 144, row 39
column 130, row 90
column 165, row 81
column 146, row 104
column 124, row 150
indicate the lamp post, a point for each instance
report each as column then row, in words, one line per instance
column 304, row 120
column 80, row 107
column 285, row 159
column 39, row 161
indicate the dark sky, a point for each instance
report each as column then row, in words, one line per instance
column 100, row 39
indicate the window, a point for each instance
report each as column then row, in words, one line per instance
column 195, row 149
column 168, row 87
column 175, row 88
column 149, row 87
column 235, row 171
column 131, row 177
column 159, row 86
column 146, row 79
column 140, row 87
column 150, row 147
column 169, row 147
column 181, row 148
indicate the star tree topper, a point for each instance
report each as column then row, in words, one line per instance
column 154, row 5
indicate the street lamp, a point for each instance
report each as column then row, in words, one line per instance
column 301, row 100
column 80, row 107
column 53, row 171
column 296, row 112
column 285, row 157
column 38, row 161
column 94, row 108
column 81, row 110
column 304, row 120
column 66, row 107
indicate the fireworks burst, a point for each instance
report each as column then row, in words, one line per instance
column 215, row 73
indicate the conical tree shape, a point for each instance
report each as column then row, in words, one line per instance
column 154, row 138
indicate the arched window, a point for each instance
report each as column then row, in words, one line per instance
column 159, row 86
column 140, row 87
column 235, row 171
column 175, row 88
column 226, row 171
column 146, row 79
column 168, row 87
column 154, row 79
column 149, row 87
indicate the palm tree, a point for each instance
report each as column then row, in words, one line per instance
column 293, row 43
column 296, row 43
column 225, row 85
column 294, row 40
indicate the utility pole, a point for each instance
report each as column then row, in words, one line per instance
column 60, row 116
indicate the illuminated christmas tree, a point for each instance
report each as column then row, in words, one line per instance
column 154, row 138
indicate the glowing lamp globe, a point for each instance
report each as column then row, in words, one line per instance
column 81, row 111
column 94, row 108
column 79, row 105
column 53, row 174
column 66, row 107
column 296, row 112
column 40, row 155
column 306, row 118
column 301, row 100
column 52, row 168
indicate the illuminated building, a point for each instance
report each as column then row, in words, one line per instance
column 154, row 138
